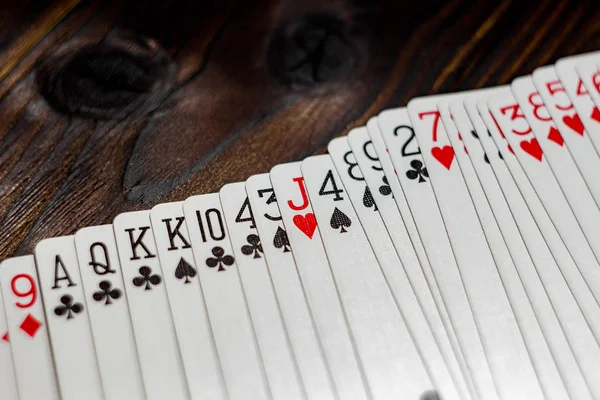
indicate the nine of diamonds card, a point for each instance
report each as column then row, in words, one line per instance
column 447, row 250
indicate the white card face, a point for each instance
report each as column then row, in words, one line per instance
column 109, row 313
column 367, row 209
column 224, row 297
column 419, row 271
column 589, row 73
column 27, row 330
column 288, row 288
column 406, row 155
column 503, row 343
column 532, row 159
column 180, row 274
column 158, row 350
column 559, row 162
column 557, row 270
column 588, row 113
column 540, row 275
column 311, row 260
column 8, row 381
column 68, row 323
column 533, row 336
column 389, row 358
column 271, row 334
column 570, row 126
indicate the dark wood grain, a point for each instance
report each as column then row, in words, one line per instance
column 234, row 106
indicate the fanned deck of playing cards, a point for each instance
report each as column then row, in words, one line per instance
column 447, row 250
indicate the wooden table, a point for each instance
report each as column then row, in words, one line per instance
column 109, row 107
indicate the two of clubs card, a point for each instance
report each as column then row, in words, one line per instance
column 449, row 249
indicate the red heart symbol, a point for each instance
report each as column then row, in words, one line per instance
column 555, row 136
column 596, row 114
column 444, row 155
column 533, row 148
column 5, row 337
column 306, row 223
column 574, row 122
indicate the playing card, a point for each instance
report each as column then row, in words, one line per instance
column 180, row 274
column 419, row 271
column 589, row 73
column 405, row 153
column 504, row 346
column 587, row 112
column 288, row 288
column 559, row 273
column 570, row 126
column 367, row 210
column 108, row 313
column 8, row 381
column 27, row 331
column 313, row 267
column 271, row 334
column 551, row 154
column 389, row 358
column 541, row 277
column 151, row 318
column 219, row 277
column 543, row 363
column 528, row 151
column 67, row 320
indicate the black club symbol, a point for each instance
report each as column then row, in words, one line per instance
column 147, row 278
column 417, row 172
column 106, row 293
column 253, row 246
column 385, row 189
column 68, row 307
column 219, row 259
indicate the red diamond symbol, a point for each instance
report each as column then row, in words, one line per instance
column 555, row 136
column 30, row 325
column 5, row 337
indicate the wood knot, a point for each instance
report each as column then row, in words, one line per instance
column 316, row 49
column 122, row 76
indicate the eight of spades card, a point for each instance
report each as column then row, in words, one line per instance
column 391, row 265
column 401, row 280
